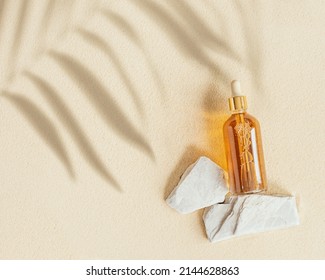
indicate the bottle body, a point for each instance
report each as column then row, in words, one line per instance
column 244, row 152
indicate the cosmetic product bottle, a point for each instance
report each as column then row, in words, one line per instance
column 243, row 143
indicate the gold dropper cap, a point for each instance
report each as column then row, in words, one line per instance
column 238, row 102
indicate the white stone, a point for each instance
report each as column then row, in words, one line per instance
column 202, row 185
column 249, row 214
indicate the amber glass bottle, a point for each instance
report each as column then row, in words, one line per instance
column 242, row 135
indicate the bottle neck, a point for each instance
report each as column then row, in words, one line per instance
column 237, row 104
column 242, row 111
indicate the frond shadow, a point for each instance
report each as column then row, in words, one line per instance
column 25, row 5
column 253, row 45
column 96, row 41
column 100, row 98
column 2, row 9
column 72, row 126
column 123, row 25
column 126, row 28
column 184, row 40
column 188, row 32
column 46, row 19
column 194, row 42
column 43, row 125
column 218, row 15
column 204, row 33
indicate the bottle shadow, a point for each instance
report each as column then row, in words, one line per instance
column 214, row 114
column 275, row 189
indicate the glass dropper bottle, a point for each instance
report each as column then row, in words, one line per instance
column 243, row 143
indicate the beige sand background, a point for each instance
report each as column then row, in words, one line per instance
column 105, row 103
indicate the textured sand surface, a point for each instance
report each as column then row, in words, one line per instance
column 104, row 104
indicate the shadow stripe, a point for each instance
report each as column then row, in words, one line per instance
column 43, row 125
column 72, row 126
column 100, row 98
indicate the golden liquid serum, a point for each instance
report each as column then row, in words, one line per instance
column 243, row 142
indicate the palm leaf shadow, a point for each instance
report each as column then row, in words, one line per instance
column 2, row 9
column 210, row 5
column 180, row 36
column 253, row 55
column 23, row 9
column 47, row 16
column 72, row 127
column 202, row 30
column 124, row 26
column 43, row 125
column 99, row 43
column 46, row 20
column 100, row 98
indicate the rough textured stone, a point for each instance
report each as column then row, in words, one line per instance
column 247, row 214
column 202, row 185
